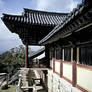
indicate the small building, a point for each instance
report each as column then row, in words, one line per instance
column 32, row 26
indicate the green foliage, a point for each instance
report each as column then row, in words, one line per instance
column 4, row 87
column 12, row 60
column 11, row 88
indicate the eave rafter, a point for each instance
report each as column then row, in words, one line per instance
column 77, row 19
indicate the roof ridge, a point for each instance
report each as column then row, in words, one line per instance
column 8, row 14
column 31, row 10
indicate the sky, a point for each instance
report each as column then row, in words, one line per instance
column 10, row 40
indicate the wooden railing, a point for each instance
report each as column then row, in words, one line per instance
column 78, row 75
column 2, row 78
column 13, row 78
column 19, row 84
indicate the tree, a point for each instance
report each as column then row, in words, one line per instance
column 12, row 60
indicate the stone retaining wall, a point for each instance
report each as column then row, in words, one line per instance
column 57, row 84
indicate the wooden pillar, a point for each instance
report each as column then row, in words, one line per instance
column 26, row 56
column 74, row 74
column 77, row 55
column 63, row 54
column 47, row 57
column 61, row 69
column 60, row 53
column 74, row 53
column 29, row 60
column 71, row 54
column 53, row 65
column 7, row 79
column 74, row 70
column 55, row 52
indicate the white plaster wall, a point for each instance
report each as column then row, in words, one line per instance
column 57, row 67
column 67, row 71
column 84, row 78
column 75, row 89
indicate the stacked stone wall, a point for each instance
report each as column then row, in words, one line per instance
column 57, row 84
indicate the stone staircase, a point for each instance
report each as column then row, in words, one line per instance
column 26, row 84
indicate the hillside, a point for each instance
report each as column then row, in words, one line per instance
column 12, row 60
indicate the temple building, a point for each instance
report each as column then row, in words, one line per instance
column 67, row 41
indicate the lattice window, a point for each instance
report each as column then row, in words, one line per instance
column 52, row 53
column 67, row 54
column 85, row 55
column 58, row 53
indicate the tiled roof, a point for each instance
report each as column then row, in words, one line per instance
column 38, row 17
column 44, row 18
column 33, row 25
column 76, row 12
column 37, row 53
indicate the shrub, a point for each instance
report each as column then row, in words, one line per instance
column 4, row 87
